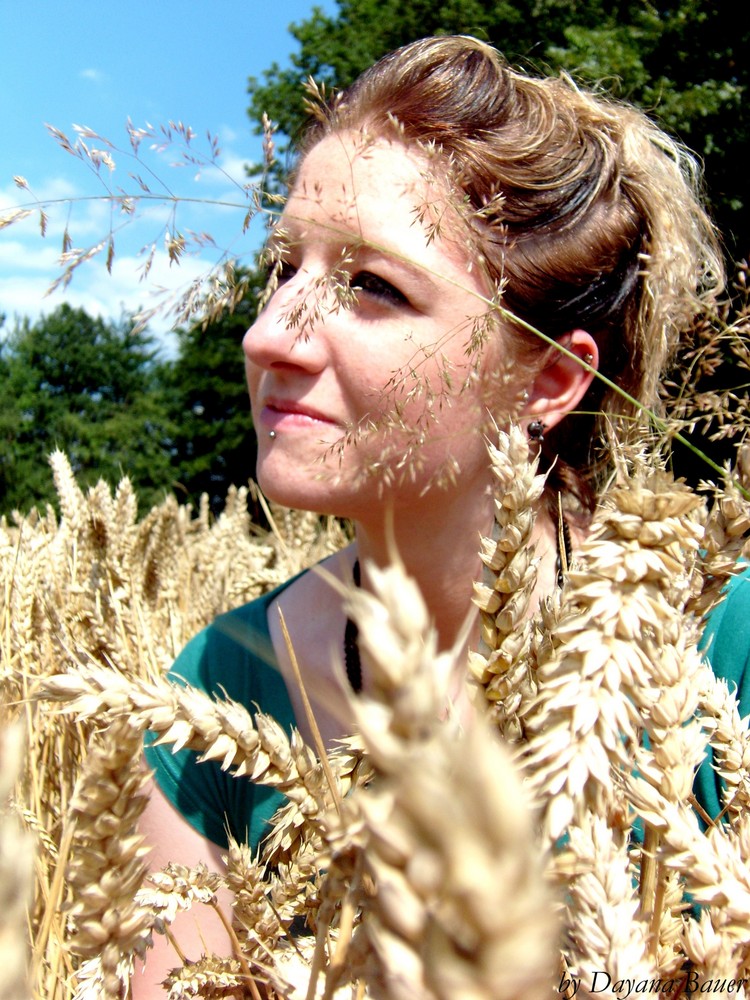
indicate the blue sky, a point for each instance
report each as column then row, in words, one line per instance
column 96, row 65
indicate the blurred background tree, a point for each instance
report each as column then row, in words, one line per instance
column 101, row 393
column 90, row 387
column 213, row 446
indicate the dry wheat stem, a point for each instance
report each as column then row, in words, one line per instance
column 16, row 872
column 310, row 715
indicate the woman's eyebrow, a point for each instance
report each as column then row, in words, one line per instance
column 422, row 275
column 282, row 241
column 433, row 281
column 294, row 230
column 375, row 249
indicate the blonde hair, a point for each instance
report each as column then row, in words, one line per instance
column 587, row 214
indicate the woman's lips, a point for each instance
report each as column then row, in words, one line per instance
column 277, row 414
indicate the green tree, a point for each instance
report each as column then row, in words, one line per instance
column 682, row 60
column 213, row 444
column 89, row 387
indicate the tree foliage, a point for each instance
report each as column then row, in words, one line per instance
column 214, row 445
column 682, row 60
column 89, row 387
column 100, row 392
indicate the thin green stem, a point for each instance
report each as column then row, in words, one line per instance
column 124, row 196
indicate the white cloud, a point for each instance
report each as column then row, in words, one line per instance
column 95, row 75
column 16, row 256
column 227, row 135
column 230, row 168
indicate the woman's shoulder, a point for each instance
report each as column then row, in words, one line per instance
column 232, row 657
column 234, row 654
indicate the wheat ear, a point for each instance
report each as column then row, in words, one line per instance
column 730, row 741
column 600, row 669
column 107, row 859
column 603, row 930
column 184, row 717
column 457, row 905
column 501, row 666
column 725, row 537
column 715, row 872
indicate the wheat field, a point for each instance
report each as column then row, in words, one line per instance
column 430, row 858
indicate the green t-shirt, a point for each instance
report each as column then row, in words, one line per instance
column 235, row 655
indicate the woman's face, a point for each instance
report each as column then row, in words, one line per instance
column 362, row 375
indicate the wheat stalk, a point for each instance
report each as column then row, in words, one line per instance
column 16, row 861
column 426, row 881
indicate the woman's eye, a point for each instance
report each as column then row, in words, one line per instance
column 372, row 284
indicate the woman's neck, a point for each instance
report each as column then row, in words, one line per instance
column 438, row 545
column 441, row 553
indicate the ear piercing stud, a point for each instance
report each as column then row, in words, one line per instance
column 272, row 434
column 588, row 358
column 536, row 430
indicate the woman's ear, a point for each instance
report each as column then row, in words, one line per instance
column 562, row 383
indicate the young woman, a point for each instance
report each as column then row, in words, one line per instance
column 441, row 208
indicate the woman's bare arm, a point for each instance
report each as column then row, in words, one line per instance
column 199, row 930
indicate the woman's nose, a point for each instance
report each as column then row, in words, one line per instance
column 290, row 331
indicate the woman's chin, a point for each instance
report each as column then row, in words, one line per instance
column 301, row 489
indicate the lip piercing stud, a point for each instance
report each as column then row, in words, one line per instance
column 272, row 434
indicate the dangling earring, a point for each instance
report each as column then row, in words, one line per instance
column 535, row 431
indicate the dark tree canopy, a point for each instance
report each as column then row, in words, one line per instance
column 89, row 387
column 98, row 391
column 214, row 444
column 685, row 61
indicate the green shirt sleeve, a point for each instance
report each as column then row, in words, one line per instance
column 234, row 655
column 726, row 644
